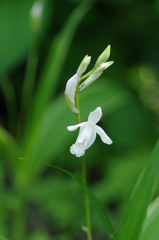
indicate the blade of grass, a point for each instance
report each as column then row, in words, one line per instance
column 9, row 148
column 101, row 212
column 150, row 227
column 11, row 102
column 140, row 199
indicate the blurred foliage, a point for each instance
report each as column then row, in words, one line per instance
column 36, row 201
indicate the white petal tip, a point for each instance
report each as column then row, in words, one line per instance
column 110, row 142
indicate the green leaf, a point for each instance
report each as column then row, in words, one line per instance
column 150, row 226
column 101, row 212
column 140, row 199
column 14, row 31
column 9, row 148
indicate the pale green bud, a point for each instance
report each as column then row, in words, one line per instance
column 103, row 67
column 96, row 74
column 103, row 57
column 89, row 80
column 83, row 65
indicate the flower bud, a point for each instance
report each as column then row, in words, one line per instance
column 89, row 80
column 96, row 74
column 36, row 15
column 103, row 57
column 83, row 65
column 103, row 67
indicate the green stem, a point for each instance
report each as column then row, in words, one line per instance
column 88, row 219
column 86, row 75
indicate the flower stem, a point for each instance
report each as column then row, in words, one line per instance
column 89, row 233
column 88, row 220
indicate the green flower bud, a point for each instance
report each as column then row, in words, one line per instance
column 103, row 57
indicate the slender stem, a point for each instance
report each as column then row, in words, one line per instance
column 77, row 104
column 88, row 219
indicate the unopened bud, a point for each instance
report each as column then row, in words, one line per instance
column 83, row 65
column 103, row 57
column 89, row 80
column 36, row 15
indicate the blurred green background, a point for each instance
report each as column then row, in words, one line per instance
column 36, row 201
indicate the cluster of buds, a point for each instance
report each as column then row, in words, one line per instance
column 88, row 130
column 100, row 66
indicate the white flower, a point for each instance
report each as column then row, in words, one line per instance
column 72, row 84
column 36, row 10
column 87, row 133
column 36, row 13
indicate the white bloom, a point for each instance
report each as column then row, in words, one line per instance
column 36, row 10
column 72, row 84
column 87, row 133
column 36, row 13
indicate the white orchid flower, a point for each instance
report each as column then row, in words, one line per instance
column 36, row 14
column 72, row 84
column 87, row 133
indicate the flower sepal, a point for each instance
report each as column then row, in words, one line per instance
column 70, row 92
column 71, row 104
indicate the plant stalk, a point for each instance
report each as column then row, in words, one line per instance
column 88, row 219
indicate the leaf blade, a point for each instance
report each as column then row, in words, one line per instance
column 140, row 198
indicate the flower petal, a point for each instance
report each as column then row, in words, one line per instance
column 95, row 116
column 92, row 139
column 71, row 87
column 102, row 134
column 86, row 135
column 72, row 128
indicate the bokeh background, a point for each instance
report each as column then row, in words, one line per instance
column 36, row 59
